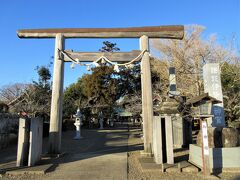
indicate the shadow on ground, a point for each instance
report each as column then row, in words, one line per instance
column 94, row 143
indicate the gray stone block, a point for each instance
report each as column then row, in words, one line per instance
column 230, row 137
column 35, row 142
column 157, row 140
column 223, row 158
column 214, row 137
column 23, row 142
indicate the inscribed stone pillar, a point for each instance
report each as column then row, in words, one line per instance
column 169, row 139
column 147, row 104
column 23, row 142
column 212, row 86
column 57, row 98
column 178, row 133
column 35, row 141
column 157, row 139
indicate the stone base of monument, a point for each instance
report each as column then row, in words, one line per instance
column 220, row 159
column 148, row 165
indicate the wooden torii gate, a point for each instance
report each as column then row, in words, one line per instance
column 144, row 33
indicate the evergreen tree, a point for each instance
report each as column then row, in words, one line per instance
column 230, row 74
column 109, row 47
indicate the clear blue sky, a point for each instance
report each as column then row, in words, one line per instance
column 19, row 57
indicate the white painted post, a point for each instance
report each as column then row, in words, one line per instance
column 57, row 97
column 147, row 104
column 205, row 148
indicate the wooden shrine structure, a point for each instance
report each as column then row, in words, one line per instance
column 143, row 33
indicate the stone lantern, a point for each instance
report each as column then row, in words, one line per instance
column 211, row 153
column 202, row 107
column 203, row 111
column 78, row 122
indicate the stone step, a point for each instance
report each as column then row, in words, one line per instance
column 188, row 167
column 148, row 164
column 169, row 167
column 172, row 169
column 146, row 160
column 183, row 164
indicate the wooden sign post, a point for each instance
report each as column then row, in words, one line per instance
column 205, row 148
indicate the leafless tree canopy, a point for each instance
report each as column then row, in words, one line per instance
column 10, row 92
column 188, row 57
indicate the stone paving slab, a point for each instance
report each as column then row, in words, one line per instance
column 38, row 170
column 99, row 166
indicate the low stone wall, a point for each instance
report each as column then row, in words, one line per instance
column 223, row 159
column 8, row 126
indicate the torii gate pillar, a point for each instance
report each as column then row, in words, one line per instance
column 55, row 129
column 147, row 104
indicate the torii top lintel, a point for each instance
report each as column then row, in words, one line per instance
column 169, row 32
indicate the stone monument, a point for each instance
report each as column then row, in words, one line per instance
column 29, row 149
column 212, row 86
